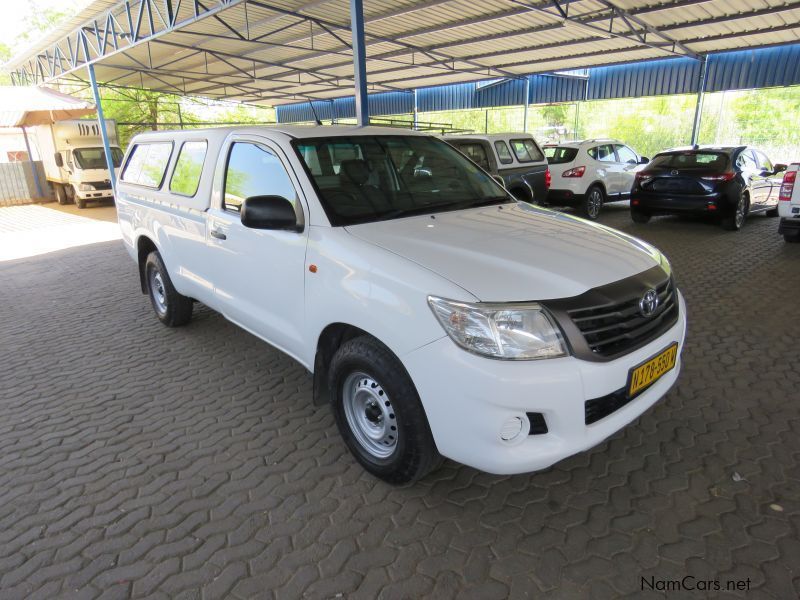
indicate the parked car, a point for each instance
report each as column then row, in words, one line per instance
column 727, row 183
column 789, row 205
column 438, row 315
column 516, row 158
column 589, row 173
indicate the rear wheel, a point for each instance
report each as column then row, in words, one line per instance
column 172, row 308
column 593, row 202
column 379, row 413
column 735, row 220
column 772, row 212
column 639, row 216
column 61, row 194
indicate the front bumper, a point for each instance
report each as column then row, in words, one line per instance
column 94, row 194
column 469, row 398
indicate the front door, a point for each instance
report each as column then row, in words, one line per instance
column 628, row 162
column 258, row 274
column 756, row 182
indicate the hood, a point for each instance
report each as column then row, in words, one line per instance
column 515, row 253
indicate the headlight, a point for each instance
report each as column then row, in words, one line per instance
column 86, row 187
column 514, row 331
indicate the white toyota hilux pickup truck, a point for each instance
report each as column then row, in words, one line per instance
column 440, row 317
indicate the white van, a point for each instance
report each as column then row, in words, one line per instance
column 439, row 315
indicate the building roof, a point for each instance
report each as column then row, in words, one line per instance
column 281, row 51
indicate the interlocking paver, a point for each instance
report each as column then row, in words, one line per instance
column 189, row 463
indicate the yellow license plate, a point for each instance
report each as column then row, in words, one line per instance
column 648, row 372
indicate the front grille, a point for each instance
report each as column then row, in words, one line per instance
column 600, row 408
column 613, row 329
column 606, row 322
column 101, row 185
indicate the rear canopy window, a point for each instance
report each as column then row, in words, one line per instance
column 147, row 164
column 526, row 150
column 691, row 160
column 188, row 168
column 557, row 155
column 476, row 152
column 503, row 153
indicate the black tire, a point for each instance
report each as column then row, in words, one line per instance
column 593, row 202
column 171, row 308
column 772, row 212
column 61, row 194
column 79, row 202
column 735, row 220
column 389, row 399
column 792, row 238
column 522, row 195
column 639, row 216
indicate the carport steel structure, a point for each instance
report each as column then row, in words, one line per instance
column 282, row 51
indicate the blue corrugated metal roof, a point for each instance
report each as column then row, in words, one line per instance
column 745, row 69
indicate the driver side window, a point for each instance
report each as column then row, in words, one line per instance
column 254, row 170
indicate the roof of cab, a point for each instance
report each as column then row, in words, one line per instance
column 294, row 131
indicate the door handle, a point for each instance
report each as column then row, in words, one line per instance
column 216, row 233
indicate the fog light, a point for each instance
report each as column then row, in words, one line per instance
column 511, row 429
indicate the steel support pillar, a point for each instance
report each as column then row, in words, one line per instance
column 527, row 100
column 416, row 109
column 36, row 181
column 359, row 61
column 698, row 109
column 103, row 133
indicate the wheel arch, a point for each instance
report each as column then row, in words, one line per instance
column 330, row 339
column 144, row 246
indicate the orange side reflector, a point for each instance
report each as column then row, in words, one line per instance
column 312, row 268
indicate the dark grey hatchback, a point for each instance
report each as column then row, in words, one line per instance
column 724, row 182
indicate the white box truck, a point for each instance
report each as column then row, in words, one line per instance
column 74, row 161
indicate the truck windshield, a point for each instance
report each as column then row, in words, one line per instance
column 372, row 178
column 95, row 158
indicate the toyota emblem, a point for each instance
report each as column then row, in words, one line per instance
column 673, row 172
column 649, row 303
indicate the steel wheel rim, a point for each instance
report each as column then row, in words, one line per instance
column 370, row 415
column 740, row 212
column 594, row 203
column 158, row 292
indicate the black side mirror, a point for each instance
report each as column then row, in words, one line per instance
column 59, row 159
column 779, row 168
column 269, row 212
column 643, row 160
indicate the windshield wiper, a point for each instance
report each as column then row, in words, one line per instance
column 419, row 210
column 488, row 201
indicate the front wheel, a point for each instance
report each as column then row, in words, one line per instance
column 593, row 203
column 735, row 220
column 379, row 413
column 172, row 308
column 79, row 202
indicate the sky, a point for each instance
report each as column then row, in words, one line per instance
column 15, row 11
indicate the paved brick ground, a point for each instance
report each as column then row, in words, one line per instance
column 137, row 460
